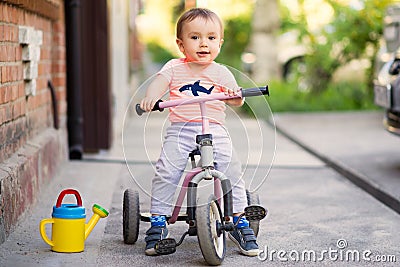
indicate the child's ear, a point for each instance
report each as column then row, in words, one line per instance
column 180, row 45
column 221, row 42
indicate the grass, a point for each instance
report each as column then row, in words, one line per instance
column 337, row 97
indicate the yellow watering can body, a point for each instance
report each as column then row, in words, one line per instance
column 69, row 230
column 68, row 235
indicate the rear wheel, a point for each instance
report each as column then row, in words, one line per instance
column 253, row 199
column 209, row 231
column 130, row 216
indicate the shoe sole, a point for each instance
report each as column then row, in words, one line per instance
column 152, row 251
column 250, row 253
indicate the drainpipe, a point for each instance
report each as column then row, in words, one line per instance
column 74, row 78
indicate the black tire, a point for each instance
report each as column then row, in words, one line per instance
column 211, row 239
column 253, row 199
column 131, row 216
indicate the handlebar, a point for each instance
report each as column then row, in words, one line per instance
column 256, row 91
column 161, row 105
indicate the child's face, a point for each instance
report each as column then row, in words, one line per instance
column 200, row 40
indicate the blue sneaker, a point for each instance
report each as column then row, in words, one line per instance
column 245, row 239
column 154, row 234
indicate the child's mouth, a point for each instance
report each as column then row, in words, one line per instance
column 203, row 53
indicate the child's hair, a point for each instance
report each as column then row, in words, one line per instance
column 193, row 13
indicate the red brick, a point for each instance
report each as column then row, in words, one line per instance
column 58, row 67
column 11, row 73
column 10, row 33
column 59, row 27
column 5, row 94
column 58, row 54
column 2, row 116
column 46, row 39
column 17, row 109
column 28, row 19
column 20, row 72
column 59, row 80
column 41, row 83
column 13, row 15
column 14, row 92
column 20, row 18
column 17, row 73
column 10, row 53
column 18, row 53
column 20, row 108
column 21, row 89
column 3, row 51
column 5, row 13
column 59, row 38
column 47, row 26
column 4, row 76
column 8, row 113
column 45, row 53
column 44, row 68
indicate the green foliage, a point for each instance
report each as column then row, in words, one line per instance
column 237, row 35
column 158, row 53
column 353, row 33
column 341, row 96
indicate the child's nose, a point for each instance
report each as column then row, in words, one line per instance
column 203, row 43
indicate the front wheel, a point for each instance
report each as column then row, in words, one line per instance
column 130, row 216
column 210, row 235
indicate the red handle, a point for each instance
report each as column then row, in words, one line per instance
column 69, row 192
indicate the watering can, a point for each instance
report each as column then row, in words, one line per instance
column 69, row 230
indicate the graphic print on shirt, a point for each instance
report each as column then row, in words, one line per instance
column 196, row 88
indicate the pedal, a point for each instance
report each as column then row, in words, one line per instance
column 228, row 226
column 165, row 246
column 255, row 213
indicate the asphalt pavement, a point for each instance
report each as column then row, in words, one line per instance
column 317, row 216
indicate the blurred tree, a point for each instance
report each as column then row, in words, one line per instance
column 237, row 32
column 353, row 33
column 265, row 26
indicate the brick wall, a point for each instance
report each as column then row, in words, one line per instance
column 32, row 53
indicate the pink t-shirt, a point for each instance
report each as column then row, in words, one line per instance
column 183, row 83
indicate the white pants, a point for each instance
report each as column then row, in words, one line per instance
column 179, row 141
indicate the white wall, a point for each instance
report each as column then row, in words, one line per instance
column 119, row 58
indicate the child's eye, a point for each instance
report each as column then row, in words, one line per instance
column 212, row 38
column 194, row 37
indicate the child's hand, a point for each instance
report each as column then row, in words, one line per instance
column 148, row 103
column 230, row 91
column 237, row 102
column 154, row 92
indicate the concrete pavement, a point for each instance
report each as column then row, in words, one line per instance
column 353, row 143
column 311, row 207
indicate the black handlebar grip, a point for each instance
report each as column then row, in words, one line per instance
column 140, row 111
column 255, row 91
